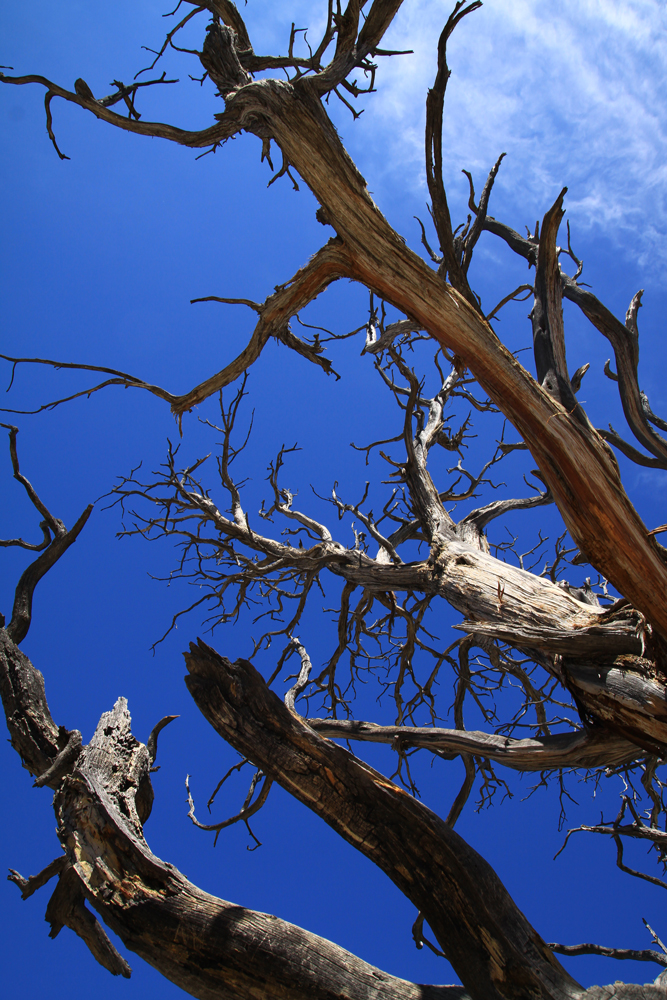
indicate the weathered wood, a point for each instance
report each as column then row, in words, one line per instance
column 547, row 315
column 66, row 908
column 612, row 661
column 574, row 461
column 585, row 748
column 33, row 733
column 216, row 950
column 212, row 949
column 629, row 694
column 499, row 601
column 497, row 598
column 487, row 939
column 626, row 991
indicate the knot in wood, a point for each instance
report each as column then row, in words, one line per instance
column 220, row 59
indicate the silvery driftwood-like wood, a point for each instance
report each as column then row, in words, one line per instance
column 612, row 661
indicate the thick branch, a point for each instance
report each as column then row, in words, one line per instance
column 51, row 551
column 573, row 459
column 221, row 60
column 377, row 23
column 641, row 955
column 33, row 733
column 623, row 338
column 611, row 657
column 22, row 610
column 352, row 49
column 451, row 262
column 489, row 942
column 497, row 598
column 211, row 949
column 326, row 266
column 629, row 695
column 575, row 463
column 229, row 15
column 612, row 651
column 547, row 315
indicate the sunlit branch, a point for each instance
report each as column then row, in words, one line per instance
column 581, row 749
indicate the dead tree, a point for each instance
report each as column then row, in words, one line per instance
column 562, row 645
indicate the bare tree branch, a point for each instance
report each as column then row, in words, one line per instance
column 62, row 539
column 547, row 315
column 230, row 124
column 584, row 749
column 642, row 955
column 533, row 641
column 374, row 816
column 202, row 944
column 327, row 265
column 451, row 265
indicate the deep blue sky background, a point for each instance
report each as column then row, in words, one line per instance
column 101, row 255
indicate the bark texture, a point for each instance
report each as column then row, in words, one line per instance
column 212, row 949
column 217, row 950
column 612, row 661
column 587, row 748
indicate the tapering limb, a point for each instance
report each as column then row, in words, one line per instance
column 326, row 266
column 51, row 549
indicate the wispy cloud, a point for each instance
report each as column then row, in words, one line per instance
column 575, row 91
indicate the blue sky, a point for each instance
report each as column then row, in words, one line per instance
column 101, row 255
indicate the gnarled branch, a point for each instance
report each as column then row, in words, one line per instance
column 582, row 749
column 394, row 830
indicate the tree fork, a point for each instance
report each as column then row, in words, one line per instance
column 484, row 935
column 103, row 791
column 210, row 948
column 577, row 465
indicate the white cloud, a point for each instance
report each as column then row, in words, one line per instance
column 574, row 90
